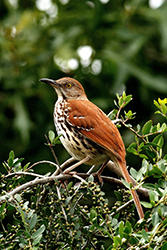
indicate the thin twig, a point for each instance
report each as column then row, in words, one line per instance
column 142, row 191
column 79, row 178
column 42, row 162
column 91, row 169
column 138, row 135
column 2, row 225
column 53, row 152
column 118, row 113
column 62, row 208
column 105, row 178
column 64, row 165
column 116, row 121
column 24, row 173
column 127, row 204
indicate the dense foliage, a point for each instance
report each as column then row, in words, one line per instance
column 50, row 212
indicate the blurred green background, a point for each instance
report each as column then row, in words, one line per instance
column 108, row 45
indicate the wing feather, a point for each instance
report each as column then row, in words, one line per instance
column 96, row 126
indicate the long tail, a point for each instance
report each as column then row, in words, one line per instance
column 127, row 177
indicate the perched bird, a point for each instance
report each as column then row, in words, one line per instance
column 86, row 132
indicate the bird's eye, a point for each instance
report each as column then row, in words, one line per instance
column 68, row 85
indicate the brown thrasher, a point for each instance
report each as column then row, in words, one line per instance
column 86, row 132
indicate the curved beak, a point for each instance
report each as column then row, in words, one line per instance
column 49, row 81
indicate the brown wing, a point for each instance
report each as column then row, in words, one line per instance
column 96, row 126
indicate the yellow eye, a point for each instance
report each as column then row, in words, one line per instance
column 68, row 85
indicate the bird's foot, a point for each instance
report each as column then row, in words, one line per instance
column 98, row 177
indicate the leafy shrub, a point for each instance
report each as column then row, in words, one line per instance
column 52, row 212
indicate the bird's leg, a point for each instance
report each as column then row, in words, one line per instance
column 68, row 170
column 99, row 172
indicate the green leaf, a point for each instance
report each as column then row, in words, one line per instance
column 146, row 204
column 38, row 232
column 158, row 140
column 128, row 228
column 33, row 221
column 68, row 199
column 162, row 106
column 57, row 140
column 153, row 197
column 69, row 185
column 132, row 148
column 164, row 127
column 121, row 229
column 126, row 184
column 91, row 178
column 129, row 114
column 145, row 165
column 37, row 240
column 128, row 99
column 17, row 162
column 150, row 153
column 133, row 172
column 118, row 195
column 120, row 100
column 138, row 128
column 11, row 158
column 147, row 127
column 155, row 218
column 117, row 241
column 157, row 104
column 2, row 208
column 145, row 235
column 114, row 222
column 51, row 136
column 162, row 166
column 164, row 246
column 18, row 197
column 26, row 166
column 140, row 146
column 93, row 215
column 2, row 211
column 143, row 156
column 124, row 99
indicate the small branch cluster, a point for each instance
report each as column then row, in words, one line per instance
column 59, row 174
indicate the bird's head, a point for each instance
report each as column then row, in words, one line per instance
column 67, row 88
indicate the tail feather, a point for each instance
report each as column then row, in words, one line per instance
column 135, row 196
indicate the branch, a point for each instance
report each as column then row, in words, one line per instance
column 63, row 210
column 142, row 137
column 118, row 182
column 53, row 153
column 43, row 162
column 23, row 173
column 64, row 165
column 127, row 204
column 47, row 179
column 32, row 183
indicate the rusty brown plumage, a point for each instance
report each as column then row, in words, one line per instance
column 96, row 126
column 86, row 132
